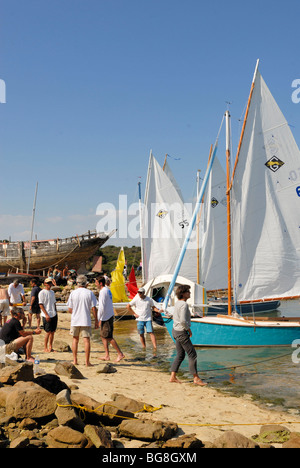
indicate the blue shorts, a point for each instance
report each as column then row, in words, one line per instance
column 141, row 326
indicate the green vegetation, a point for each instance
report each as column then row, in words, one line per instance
column 110, row 256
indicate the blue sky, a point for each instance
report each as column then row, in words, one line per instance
column 93, row 85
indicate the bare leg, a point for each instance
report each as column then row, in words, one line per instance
column 173, row 378
column 143, row 341
column 87, row 349
column 75, row 349
column 116, row 346
column 153, row 339
column 106, row 349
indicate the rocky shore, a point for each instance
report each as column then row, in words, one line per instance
column 125, row 405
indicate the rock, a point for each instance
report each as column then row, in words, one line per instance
column 28, row 423
column 68, row 369
column 22, row 372
column 293, row 442
column 111, row 415
column 99, row 436
column 4, row 392
column 28, row 399
column 90, row 415
column 66, row 415
column 62, row 347
column 65, row 437
column 147, row 430
column 106, row 369
column 232, row 439
column 272, row 433
column 186, row 441
column 19, row 442
column 52, row 383
column 128, row 404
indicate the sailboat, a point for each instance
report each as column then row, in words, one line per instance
column 265, row 239
column 165, row 222
column 213, row 271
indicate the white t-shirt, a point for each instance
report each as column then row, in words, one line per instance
column 81, row 301
column 47, row 298
column 15, row 294
column 105, row 304
column 143, row 307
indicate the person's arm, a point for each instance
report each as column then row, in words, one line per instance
column 45, row 312
column 94, row 310
column 130, row 309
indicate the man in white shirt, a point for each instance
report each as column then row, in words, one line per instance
column 106, row 319
column 16, row 293
column 144, row 306
column 47, row 304
column 80, row 303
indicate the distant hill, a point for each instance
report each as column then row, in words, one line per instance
column 110, row 256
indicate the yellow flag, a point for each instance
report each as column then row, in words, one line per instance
column 117, row 286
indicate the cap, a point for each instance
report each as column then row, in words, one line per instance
column 48, row 280
column 141, row 290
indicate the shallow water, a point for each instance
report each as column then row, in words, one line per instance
column 268, row 374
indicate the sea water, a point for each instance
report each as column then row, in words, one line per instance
column 268, row 375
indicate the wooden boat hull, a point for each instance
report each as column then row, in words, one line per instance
column 226, row 332
column 44, row 254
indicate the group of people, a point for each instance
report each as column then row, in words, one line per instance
column 82, row 301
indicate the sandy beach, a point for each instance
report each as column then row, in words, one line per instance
column 202, row 411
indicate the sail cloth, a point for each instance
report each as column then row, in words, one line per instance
column 266, row 204
column 213, row 270
column 131, row 284
column 166, row 220
column 117, row 286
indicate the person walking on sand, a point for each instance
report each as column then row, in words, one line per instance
column 14, row 336
column 47, row 304
column 144, row 306
column 34, row 303
column 106, row 320
column 80, row 303
column 4, row 305
column 182, row 333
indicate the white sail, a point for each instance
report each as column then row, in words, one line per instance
column 213, row 271
column 266, row 204
column 166, row 219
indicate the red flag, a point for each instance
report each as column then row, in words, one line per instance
column 131, row 285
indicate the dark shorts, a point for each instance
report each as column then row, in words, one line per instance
column 51, row 326
column 35, row 310
column 107, row 328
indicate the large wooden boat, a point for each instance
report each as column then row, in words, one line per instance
column 43, row 254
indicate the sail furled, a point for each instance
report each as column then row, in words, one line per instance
column 213, row 270
column 266, row 204
column 117, row 286
column 166, row 219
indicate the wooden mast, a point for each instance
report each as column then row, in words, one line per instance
column 244, row 124
column 230, row 182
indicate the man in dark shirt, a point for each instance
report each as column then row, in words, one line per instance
column 34, row 303
column 15, row 337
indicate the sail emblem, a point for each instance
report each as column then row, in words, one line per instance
column 214, row 202
column 162, row 214
column 274, row 164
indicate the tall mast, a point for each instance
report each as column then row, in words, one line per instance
column 227, row 117
column 32, row 223
column 141, row 230
column 244, row 123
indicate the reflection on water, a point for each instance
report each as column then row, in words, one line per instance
column 269, row 374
